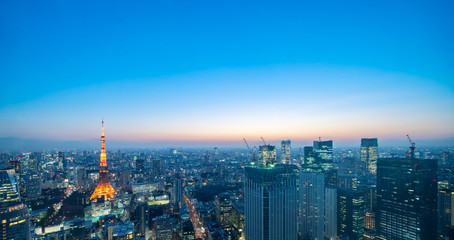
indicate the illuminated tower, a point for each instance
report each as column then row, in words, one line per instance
column 369, row 154
column 285, row 156
column 104, row 189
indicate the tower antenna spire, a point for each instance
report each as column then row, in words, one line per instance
column 104, row 189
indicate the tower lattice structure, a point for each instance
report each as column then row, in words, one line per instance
column 104, row 189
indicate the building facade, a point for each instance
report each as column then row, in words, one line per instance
column 271, row 202
column 311, row 204
column 406, row 199
column 369, row 154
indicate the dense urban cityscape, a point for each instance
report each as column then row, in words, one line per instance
column 258, row 192
column 226, row 120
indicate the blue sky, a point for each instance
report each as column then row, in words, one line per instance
column 224, row 70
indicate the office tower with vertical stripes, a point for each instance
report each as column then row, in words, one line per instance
column 270, row 195
column 311, row 203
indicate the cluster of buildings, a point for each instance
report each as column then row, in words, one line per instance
column 222, row 194
column 369, row 197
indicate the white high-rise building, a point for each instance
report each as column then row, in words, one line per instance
column 285, row 151
column 270, row 197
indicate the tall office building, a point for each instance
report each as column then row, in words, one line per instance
column 156, row 164
column 330, row 224
column 15, row 222
column 406, row 199
column 369, row 154
column 142, row 217
column 31, row 182
column 445, row 212
column 163, row 228
column 350, row 214
column 104, row 189
column 223, row 210
column 14, row 215
column 270, row 197
column 285, row 152
column 267, row 155
column 309, row 155
column 311, row 204
column 9, row 187
column 140, row 166
column 323, row 153
column 177, row 194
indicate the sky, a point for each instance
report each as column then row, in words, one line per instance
column 179, row 72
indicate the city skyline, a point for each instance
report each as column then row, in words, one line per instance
column 165, row 75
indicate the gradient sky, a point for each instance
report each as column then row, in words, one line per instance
column 224, row 70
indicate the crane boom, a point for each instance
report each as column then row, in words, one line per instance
column 412, row 147
column 247, row 145
column 263, row 140
column 251, row 150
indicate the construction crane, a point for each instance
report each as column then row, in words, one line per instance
column 251, row 151
column 412, row 147
column 263, row 140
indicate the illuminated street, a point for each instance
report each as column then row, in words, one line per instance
column 198, row 228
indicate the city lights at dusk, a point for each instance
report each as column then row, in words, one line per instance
column 226, row 120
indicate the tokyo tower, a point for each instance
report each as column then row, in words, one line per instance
column 104, row 189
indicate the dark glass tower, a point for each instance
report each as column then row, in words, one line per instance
column 323, row 151
column 407, row 199
column 350, row 214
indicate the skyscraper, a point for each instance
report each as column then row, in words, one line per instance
column 140, row 166
column 323, row 151
column 267, row 155
column 369, row 154
column 9, row 187
column 270, row 197
column 14, row 215
column 15, row 222
column 223, row 210
column 285, row 151
column 350, row 214
column 142, row 217
column 309, row 155
column 330, row 228
column 177, row 194
column 406, row 199
column 156, row 167
column 31, row 182
column 104, row 189
column 445, row 212
column 311, row 203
